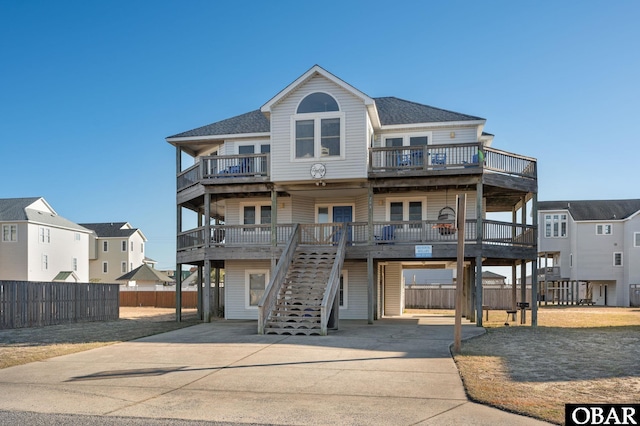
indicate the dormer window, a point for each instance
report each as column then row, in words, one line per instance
column 318, row 128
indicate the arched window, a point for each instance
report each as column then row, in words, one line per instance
column 318, row 102
column 318, row 127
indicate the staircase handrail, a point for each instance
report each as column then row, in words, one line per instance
column 270, row 296
column 334, row 282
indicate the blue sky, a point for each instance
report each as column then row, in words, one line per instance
column 90, row 89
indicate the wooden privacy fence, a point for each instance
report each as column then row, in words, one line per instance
column 444, row 298
column 36, row 304
column 158, row 299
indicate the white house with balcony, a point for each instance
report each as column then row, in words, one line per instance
column 39, row 245
column 315, row 202
column 589, row 251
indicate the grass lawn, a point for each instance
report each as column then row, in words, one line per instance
column 575, row 355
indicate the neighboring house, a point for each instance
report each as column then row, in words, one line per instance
column 116, row 248
column 354, row 189
column 591, row 248
column 492, row 279
column 37, row 244
column 144, row 277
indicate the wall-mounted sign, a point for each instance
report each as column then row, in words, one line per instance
column 424, row 251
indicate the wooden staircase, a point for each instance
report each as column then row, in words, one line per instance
column 298, row 306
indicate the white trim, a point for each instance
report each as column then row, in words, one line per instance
column 10, row 225
column 215, row 137
column 123, row 247
column 602, row 227
column 636, row 239
column 317, row 118
column 247, row 275
column 399, row 127
column 257, row 205
column 406, row 137
column 105, row 263
column 621, row 259
column 345, row 290
column 405, row 206
column 330, row 207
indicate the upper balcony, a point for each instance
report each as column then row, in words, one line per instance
column 385, row 238
column 427, row 160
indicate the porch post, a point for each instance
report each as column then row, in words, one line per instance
column 274, row 227
column 206, row 290
column 216, row 294
column 179, row 292
column 479, row 239
column 523, row 266
column 178, row 230
column 534, row 269
column 370, row 215
column 370, row 288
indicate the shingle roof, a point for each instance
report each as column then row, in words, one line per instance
column 17, row 209
column 594, row 209
column 251, row 122
column 14, row 208
column 391, row 111
column 110, row 230
column 145, row 273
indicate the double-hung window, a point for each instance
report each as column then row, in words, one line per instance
column 10, row 233
column 318, row 128
column 45, row 235
column 412, row 210
column 555, row 225
column 256, row 281
column 604, row 229
column 253, row 214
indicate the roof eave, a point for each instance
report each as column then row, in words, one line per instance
column 175, row 141
column 438, row 124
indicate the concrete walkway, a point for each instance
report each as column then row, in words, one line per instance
column 394, row 372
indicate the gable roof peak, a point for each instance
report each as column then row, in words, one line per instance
column 312, row 72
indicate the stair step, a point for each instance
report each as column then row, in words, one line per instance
column 292, row 331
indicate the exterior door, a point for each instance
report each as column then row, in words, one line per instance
column 342, row 214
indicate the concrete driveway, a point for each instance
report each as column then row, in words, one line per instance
column 394, row 372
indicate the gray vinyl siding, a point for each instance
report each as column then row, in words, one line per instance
column 356, row 291
column 354, row 164
column 362, row 209
column 439, row 136
column 393, row 291
column 303, row 209
column 435, row 202
column 236, row 288
column 233, row 209
column 596, row 252
column 632, row 253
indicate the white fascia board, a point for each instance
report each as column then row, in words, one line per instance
column 435, row 125
column 372, row 110
column 217, row 137
column 144, row 239
column 316, row 69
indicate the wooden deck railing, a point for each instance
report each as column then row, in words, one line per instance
column 385, row 232
column 384, row 161
column 462, row 157
column 224, row 167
